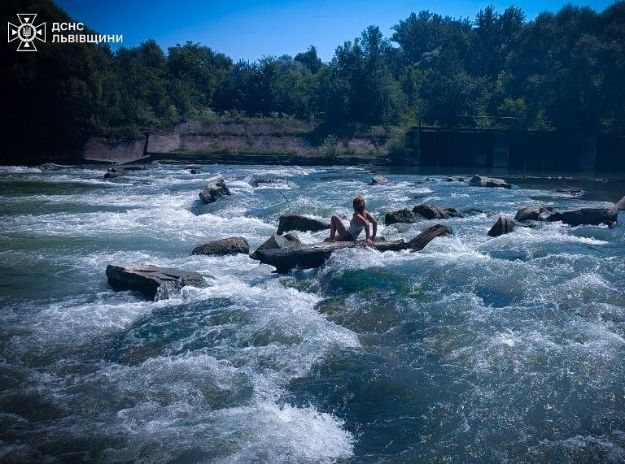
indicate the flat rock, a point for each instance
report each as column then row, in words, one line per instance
column 311, row 256
column 378, row 180
column 214, row 190
column 224, row 246
column 300, row 223
column 590, row 216
column 538, row 213
column 620, row 205
column 401, row 216
column 288, row 241
column 483, row 181
column 501, row 227
column 156, row 283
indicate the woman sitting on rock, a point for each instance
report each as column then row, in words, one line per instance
column 360, row 220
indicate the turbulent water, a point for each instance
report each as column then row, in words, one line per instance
column 473, row 350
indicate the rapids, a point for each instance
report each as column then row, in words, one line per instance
column 473, row 350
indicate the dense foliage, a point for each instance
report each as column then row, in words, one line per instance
column 559, row 71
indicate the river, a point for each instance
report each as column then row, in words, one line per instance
column 475, row 349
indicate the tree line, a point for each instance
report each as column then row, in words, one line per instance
column 561, row 71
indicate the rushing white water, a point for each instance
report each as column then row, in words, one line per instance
column 473, row 350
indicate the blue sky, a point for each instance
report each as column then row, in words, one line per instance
column 251, row 29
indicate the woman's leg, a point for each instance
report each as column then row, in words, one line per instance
column 337, row 226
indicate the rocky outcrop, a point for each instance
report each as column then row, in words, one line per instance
column 538, row 213
column 156, row 283
column 224, row 246
column 483, row 181
column 378, row 180
column 590, row 216
column 311, row 256
column 300, row 223
column 401, row 216
column 620, row 205
column 288, row 241
column 501, row 227
column 214, row 190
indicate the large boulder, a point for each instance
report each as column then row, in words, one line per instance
column 620, row 205
column 591, row 216
column 379, row 180
column 538, row 213
column 483, row 181
column 430, row 211
column 502, row 226
column 214, row 190
column 401, row 216
column 288, row 241
column 224, row 246
column 300, row 223
column 156, row 283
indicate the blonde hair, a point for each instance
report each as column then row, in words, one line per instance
column 359, row 204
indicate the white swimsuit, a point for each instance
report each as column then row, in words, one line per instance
column 355, row 229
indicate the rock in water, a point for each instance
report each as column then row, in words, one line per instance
column 225, row 246
column 157, row 283
column 401, row 216
column 591, row 216
column 483, row 181
column 379, row 180
column 430, row 211
column 620, row 205
column 501, row 227
column 311, row 256
column 113, row 173
column 300, row 223
column 288, row 241
column 214, row 190
column 537, row 213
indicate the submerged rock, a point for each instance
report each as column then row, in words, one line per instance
column 483, row 181
column 538, row 213
column 501, row 227
column 401, row 216
column 214, row 190
column 300, row 223
column 157, row 283
column 51, row 167
column 267, row 181
column 224, row 246
column 591, row 216
column 113, row 173
column 288, row 241
column 378, row 180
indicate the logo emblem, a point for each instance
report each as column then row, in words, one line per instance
column 27, row 33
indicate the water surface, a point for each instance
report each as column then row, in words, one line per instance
column 473, row 350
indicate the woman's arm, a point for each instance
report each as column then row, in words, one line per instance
column 375, row 225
